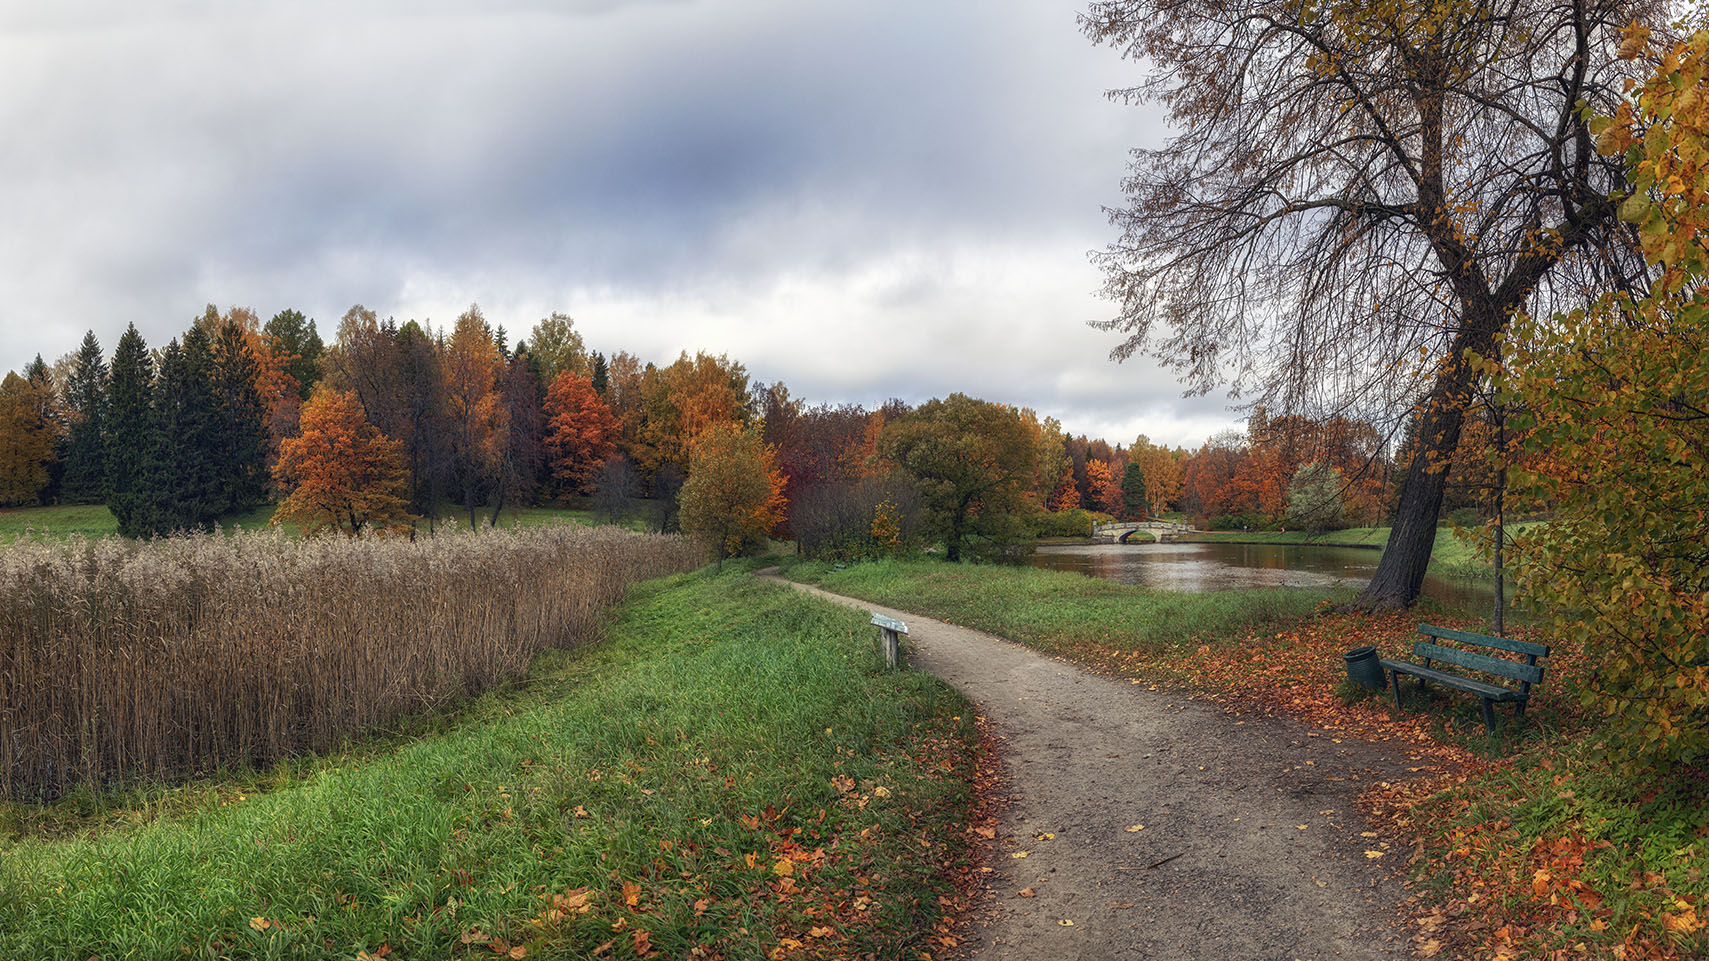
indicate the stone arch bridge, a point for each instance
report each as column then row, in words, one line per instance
column 1119, row 533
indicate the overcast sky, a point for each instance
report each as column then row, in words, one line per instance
column 862, row 198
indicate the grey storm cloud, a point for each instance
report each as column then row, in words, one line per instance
column 863, row 199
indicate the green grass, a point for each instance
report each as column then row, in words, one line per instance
column 723, row 727
column 94, row 520
column 1056, row 611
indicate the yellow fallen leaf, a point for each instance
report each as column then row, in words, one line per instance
column 1020, row 854
column 1373, row 854
column 1044, row 836
column 1430, row 948
column 1300, row 826
column 783, row 868
column 1134, row 827
column 1066, row 923
column 260, row 924
column 1028, row 893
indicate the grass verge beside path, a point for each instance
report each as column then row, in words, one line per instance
column 729, row 772
column 1527, row 845
column 1056, row 612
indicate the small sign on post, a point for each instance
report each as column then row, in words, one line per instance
column 890, row 631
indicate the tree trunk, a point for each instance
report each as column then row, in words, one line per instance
column 1412, row 534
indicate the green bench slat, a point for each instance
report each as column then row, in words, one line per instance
column 1485, row 640
column 1529, row 673
column 889, row 623
column 1494, row 692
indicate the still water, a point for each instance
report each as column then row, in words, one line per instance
column 1212, row 567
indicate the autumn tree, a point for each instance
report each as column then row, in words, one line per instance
column 1064, row 496
column 1358, row 196
column 1162, row 469
column 581, row 433
column 26, row 441
column 1314, row 497
column 1614, row 404
column 1105, row 489
column 734, row 492
column 524, row 449
column 974, row 463
column 686, row 400
column 85, row 478
column 557, row 348
column 342, row 473
column 474, row 411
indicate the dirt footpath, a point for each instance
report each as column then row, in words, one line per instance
column 1178, row 830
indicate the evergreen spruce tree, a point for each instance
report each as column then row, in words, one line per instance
column 180, row 474
column 1133, row 493
column 601, row 373
column 129, row 431
column 86, row 453
column 239, row 424
column 295, row 335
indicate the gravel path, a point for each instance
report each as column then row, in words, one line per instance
column 1250, row 848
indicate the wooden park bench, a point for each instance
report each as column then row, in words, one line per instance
column 890, row 631
column 1526, row 673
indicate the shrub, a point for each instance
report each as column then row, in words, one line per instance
column 1070, row 523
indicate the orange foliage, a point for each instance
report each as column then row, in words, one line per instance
column 1106, row 489
column 581, row 432
column 1066, row 496
column 343, row 473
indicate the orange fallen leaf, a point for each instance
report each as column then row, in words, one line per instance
column 260, row 924
column 643, row 943
column 1028, row 893
column 518, row 953
column 631, row 893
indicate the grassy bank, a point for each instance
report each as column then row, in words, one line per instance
column 1058, row 612
column 728, row 772
column 1526, row 844
column 94, row 520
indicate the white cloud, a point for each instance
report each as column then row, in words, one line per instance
column 863, row 199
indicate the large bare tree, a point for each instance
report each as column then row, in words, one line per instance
column 1357, row 193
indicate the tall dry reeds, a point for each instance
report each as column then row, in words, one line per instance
column 121, row 659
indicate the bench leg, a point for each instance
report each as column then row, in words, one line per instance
column 1519, row 709
column 1397, row 704
column 1489, row 714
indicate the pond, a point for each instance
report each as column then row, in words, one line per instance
column 1221, row 566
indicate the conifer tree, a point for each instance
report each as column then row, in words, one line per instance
column 239, row 423
column 85, row 479
column 129, row 430
column 181, row 484
column 295, row 335
column 1133, row 493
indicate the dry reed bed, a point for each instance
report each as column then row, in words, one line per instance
column 121, row 659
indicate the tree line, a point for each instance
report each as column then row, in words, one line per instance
column 394, row 425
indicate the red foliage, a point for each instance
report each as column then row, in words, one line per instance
column 581, row 432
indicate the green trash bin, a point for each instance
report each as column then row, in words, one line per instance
column 1366, row 668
